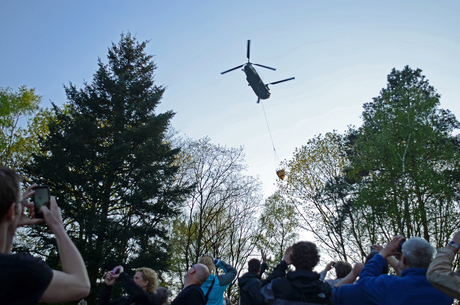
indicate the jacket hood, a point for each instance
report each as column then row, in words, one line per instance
column 305, row 281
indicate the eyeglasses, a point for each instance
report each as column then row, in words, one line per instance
column 24, row 202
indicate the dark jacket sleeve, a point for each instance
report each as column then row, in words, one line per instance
column 230, row 273
column 280, row 271
column 136, row 292
column 263, row 267
column 104, row 296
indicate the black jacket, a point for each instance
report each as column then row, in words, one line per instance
column 250, row 285
column 137, row 295
column 301, row 285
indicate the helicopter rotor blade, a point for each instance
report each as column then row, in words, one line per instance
column 232, row 69
column 265, row 67
column 249, row 47
column 280, row 81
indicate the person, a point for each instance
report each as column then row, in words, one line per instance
column 25, row 279
column 411, row 287
column 141, row 288
column 342, row 269
column 192, row 293
column 250, row 283
column 163, row 294
column 219, row 283
column 301, row 285
column 440, row 273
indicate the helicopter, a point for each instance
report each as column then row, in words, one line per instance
column 260, row 89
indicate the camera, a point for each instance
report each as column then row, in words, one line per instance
column 41, row 198
column 399, row 249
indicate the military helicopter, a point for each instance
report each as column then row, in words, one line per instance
column 260, row 89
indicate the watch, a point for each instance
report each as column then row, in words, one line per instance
column 454, row 244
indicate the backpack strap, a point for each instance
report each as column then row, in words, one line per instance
column 209, row 290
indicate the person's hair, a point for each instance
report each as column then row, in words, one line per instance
column 150, row 276
column 254, row 265
column 9, row 189
column 418, row 252
column 304, row 255
column 207, row 260
column 385, row 269
column 342, row 269
column 162, row 295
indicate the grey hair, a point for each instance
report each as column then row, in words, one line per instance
column 418, row 252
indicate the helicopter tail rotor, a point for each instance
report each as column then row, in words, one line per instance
column 281, row 81
column 232, row 69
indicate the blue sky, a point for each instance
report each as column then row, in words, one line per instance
column 339, row 51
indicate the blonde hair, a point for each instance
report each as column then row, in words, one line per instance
column 150, row 276
column 207, row 260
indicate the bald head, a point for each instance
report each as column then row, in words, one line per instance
column 197, row 274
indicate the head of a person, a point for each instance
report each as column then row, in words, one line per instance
column 147, row 279
column 9, row 190
column 254, row 265
column 196, row 274
column 163, row 295
column 207, row 260
column 385, row 269
column 417, row 252
column 342, row 269
column 304, row 255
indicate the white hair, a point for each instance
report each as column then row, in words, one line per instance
column 418, row 252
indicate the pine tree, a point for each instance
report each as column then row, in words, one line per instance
column 108, row 162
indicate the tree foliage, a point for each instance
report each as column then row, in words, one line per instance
column 22, row 121
column 405, row 160
column 107, row 161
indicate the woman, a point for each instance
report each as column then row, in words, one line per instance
column 141, row 289
column 215, row 286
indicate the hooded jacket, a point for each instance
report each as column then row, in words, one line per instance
column 250, row 285
column 297, row 286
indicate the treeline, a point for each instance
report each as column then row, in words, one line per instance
column 133, row 193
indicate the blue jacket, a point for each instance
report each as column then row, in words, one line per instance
column 411, row 287
column 216, row 296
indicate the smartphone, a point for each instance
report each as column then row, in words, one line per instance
column 41, row 198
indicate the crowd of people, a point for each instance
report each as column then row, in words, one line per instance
column 417, row 277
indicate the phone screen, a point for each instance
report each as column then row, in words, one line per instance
column 41, row 198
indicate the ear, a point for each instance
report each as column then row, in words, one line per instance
column 10, row 212
column 404, row 262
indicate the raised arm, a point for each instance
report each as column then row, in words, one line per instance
column 351, row 277
column 72, row 283
column 230, row 273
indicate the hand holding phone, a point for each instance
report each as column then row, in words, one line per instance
column 41, row 197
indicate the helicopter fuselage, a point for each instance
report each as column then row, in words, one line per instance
column 256, row 83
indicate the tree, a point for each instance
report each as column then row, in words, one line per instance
column 278, row 225
column 21, row 122
column 314, row 186
column 107, row 161
column 405, row 162
column 219, row 218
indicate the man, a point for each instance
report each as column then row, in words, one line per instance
column 192, row 293
column 250, row 284
column 25, row 279
column 342, row 269
column 301, row 285
column 411, row 287
column 440, row 272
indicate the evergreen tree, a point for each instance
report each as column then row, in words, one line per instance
column 107, row 161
